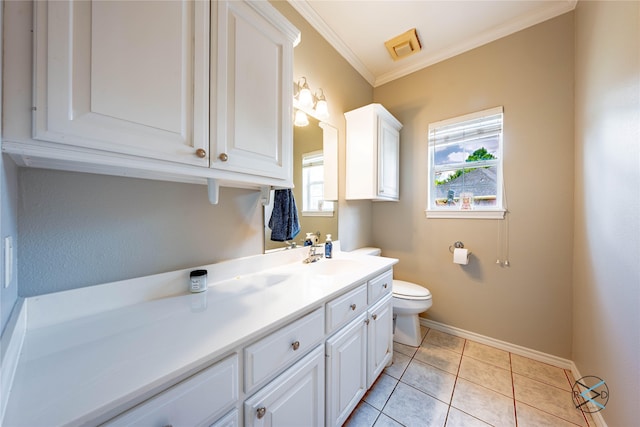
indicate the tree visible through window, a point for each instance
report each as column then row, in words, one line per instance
column 465, row 165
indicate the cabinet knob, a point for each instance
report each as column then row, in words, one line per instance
column 223, row 157
column 295, row 345
column 261, row 411
column 366, row 321
column 353, row 307
column 200, row 152
column 375, row 316
column 384, row 286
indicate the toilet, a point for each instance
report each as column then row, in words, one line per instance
column 409, row 300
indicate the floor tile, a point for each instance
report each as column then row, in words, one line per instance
column 439, row 357
column 429, row 379
column 380, row 391
column 484, row 404
column 547, row 398
column 423, row 331
column 448, row 341
column 404, row 349
column 384, row 421
column 364, row 415
column 411, row 407
column 488, row 354
column 540, row 371
column 531, row 417
column 398, row 365
column 486, row 375
column 457, row 418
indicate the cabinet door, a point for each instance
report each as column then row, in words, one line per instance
column 295, row 398
column 193, row 402
column 388, row 161
column 251, row 112
column 124, row 77
column 346, row 370
column 380, row 338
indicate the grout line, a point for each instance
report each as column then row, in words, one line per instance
column 513, row 390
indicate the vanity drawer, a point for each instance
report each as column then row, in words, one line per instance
column 380, row 286
column 270, row 354
column 346, row 307
column 194, row 401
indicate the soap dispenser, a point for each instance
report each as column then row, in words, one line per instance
column 308, row 240
column 328, row 247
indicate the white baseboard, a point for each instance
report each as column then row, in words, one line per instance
column 503, row 345
column 560, row 362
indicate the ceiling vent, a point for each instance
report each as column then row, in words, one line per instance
column 404, row 45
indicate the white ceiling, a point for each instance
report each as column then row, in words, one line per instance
column 357, row 29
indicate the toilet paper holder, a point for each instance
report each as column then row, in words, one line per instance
column 456, row 245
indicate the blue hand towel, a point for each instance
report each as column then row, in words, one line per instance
column 284, row 222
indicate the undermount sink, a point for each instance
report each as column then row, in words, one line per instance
column 333, row 267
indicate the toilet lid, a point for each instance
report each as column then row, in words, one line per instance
column 407, row 290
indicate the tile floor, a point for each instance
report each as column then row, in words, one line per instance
column 454, row 382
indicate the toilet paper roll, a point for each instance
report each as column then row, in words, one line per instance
column 461, row 256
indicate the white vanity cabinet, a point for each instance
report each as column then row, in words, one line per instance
column 196, row 401
column 379, row 338
column 109, row 78
column 251, row 109
column 358, row 352
column 346, row 370
column 372, row 154
column 294, row 398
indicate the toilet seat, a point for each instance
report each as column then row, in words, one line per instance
column 409, row 291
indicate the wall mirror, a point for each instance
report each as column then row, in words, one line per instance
column 315, row 176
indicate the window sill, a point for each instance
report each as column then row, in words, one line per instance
column 317, row 213
column 472, row 214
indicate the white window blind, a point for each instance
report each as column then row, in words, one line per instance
column 465, row 166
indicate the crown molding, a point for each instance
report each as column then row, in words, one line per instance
column 304, row 8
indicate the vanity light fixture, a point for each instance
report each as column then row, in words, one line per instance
column 300, row 119
column 308, row 104
column 305, row 98
column 321, row 107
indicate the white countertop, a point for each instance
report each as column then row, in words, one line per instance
column 82, row 368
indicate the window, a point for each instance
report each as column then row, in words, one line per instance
column 465, row 166
column 313, row 203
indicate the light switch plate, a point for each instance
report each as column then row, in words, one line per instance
column 8, row 261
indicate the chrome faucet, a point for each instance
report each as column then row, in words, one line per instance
column 313, row 256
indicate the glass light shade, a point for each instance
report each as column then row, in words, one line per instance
column 322, row 109
column 300, row 119
column 305, row 98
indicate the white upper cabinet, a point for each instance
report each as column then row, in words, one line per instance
column 124, row 77
column 178, row 90
column 373, row 154
column 251, row 111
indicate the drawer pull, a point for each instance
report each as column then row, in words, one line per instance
column 261, row 411
column 375, row 316
column 353, row 307
column 384, row 286
column 295, row 345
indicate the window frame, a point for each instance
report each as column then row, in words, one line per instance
column 305, row 187
column 497, row 212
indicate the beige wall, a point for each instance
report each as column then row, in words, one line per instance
column 606, row 293
column 345, row 90
column 530, row 73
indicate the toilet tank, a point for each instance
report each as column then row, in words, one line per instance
column 367, row 251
